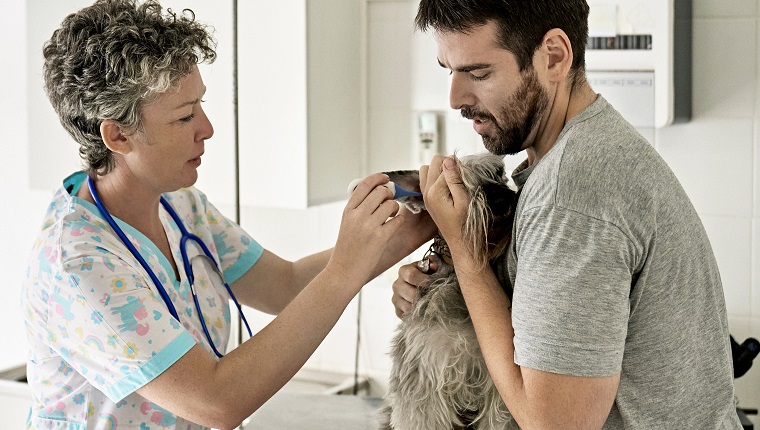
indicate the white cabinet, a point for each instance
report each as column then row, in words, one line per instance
column 301, row 100
column 15, row 397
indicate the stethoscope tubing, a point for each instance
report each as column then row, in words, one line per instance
column 186, row 235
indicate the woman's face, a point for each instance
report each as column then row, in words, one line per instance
column 166, row 153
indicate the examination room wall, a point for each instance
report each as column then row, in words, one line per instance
column 716, row 156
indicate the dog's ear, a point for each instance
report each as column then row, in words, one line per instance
column 488, row 228
column 502, row 201
column 406, row 179
column 410, row 181
column 475, row 228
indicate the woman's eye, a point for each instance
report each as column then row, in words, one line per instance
column 187, row 118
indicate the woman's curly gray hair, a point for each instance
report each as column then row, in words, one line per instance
column 109, row 59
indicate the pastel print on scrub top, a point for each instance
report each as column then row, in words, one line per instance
column 102, row 323
column 210, row 269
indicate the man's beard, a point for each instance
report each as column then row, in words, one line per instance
column 521, row 114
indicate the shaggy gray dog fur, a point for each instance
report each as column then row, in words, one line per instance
column 439, row 379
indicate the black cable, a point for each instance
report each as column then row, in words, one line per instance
column 358, row 342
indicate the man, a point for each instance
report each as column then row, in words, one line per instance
column 611, row 313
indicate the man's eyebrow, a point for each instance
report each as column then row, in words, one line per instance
column 468, row 68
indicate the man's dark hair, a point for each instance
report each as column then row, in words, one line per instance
column 522, row 23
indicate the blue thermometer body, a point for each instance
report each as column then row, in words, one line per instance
column 397, row 191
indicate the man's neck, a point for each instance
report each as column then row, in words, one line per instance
column 566, row 105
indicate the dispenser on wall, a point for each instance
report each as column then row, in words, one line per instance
column 638, row 57
column 429, row 134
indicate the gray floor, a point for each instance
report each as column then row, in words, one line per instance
column 300, row 411
column 307, row 402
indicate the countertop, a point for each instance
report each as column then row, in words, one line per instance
column 297, row 411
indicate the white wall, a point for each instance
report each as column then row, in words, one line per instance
column 716, row 156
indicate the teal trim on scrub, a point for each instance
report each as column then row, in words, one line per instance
column 154, row 367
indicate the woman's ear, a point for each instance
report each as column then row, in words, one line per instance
column 113, row 137
column 559, row 54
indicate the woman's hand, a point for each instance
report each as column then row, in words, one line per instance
column 446, row 199
column 365, row 229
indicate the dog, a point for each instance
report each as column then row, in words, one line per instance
column 439, row 379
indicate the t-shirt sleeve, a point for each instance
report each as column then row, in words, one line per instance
column 110, row 327
column 237, row 250
column 570, row 305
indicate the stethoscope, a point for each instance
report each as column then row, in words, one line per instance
column 185, row 262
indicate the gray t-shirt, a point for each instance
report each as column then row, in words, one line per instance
column 612, row 272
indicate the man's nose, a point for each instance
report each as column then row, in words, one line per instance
column 460, row 94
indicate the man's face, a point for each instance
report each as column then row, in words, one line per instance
column 506, row 106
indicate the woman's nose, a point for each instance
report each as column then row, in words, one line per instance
column 207, row 129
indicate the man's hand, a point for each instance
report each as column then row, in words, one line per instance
column 410, row 278
column 446, row 199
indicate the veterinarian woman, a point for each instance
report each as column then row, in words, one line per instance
column 612, row 313
column 115, row 329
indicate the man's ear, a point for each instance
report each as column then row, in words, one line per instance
column 113, row 136
column 559, row 54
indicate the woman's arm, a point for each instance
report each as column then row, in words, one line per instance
column 222, row 393
column 273, row 281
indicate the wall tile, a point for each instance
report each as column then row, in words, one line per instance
column 713, row 160
column 731, row 242
column 289, row 233
column 724, row 8
column 379, row 319
column 724, row 62
column 379, row 324
column 328, row 218
column 337, row 353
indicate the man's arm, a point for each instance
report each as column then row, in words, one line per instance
column 536, row 399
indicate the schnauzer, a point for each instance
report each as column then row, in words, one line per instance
column 439, row 379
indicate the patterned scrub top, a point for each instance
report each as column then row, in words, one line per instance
column 97, row 327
